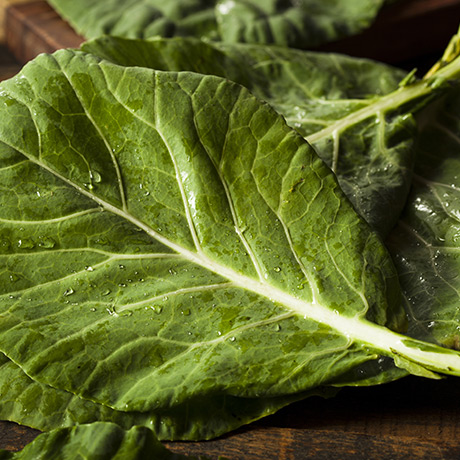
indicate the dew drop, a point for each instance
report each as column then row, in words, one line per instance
column 14, row 277
column 185, row 312
column 172, row 271
column 92, row 309
column 106, row 292
column 25, row 243
column 95, row 176
column 46, row 242
column 277, row 328
column 88, row 268
column 111, row 310
column 121, row 267
column 68, row 292
column 232, row 339
column 277, row 269
column 157, row 309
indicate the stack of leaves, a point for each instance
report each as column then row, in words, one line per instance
column 192, row 234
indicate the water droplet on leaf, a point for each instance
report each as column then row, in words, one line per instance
column 46, row 242
column 25, row 243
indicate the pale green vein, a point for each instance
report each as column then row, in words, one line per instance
column 359, row 293
column 431, row 183
column 238, row 230
column 51, row 221
column 111, row 255
column 104, row 139
column 14, row 165
column 177, row 292
column 228, row 337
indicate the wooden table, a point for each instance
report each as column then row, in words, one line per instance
column 410, row 419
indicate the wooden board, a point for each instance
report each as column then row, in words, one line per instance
column 34, row 28
column 410, row 419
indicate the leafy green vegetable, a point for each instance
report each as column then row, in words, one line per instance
column 299, row 24
column 98, row 441
column 152, row 259
column 427, row 240
column 40, row 406
column 147, row 284
column 351, row 110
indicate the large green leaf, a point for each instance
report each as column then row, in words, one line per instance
column 300, row 24
column 426, row 243
column 98, row 441
column 40, row 406
column 166, row 237
column 351, row 110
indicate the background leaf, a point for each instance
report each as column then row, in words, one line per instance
column 425, row 244
column 299, row 24
column 40, row 406
column 98, row 441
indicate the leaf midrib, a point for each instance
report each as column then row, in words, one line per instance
column 393, row 100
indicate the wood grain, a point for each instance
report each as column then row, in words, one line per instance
column 4, row 5
column 34, row 28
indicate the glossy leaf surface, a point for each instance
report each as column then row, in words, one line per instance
column 40, row 406
column 167, row 237
column 426, row 243
column 351, row 110
column 299, row 24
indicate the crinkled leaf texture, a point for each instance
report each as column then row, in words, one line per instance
column 299, row 24
column 426, row 243
column 40, row 406
column 98, row 441
column 166, row 238
column 345, row 107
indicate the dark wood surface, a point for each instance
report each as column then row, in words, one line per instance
column 409, row 419
column 8, row 64
column 34, row 28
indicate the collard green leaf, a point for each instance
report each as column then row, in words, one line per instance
column 351, row 110
column 426, row 242
column 40, row 406
column 166, row 237
column 299, row 24
column 98, row 441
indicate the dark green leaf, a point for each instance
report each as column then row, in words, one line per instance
column 40, row 406
column 351, row 110
column 98, row 441
column 426, row 243
column 300, row 24
column 166, row 238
